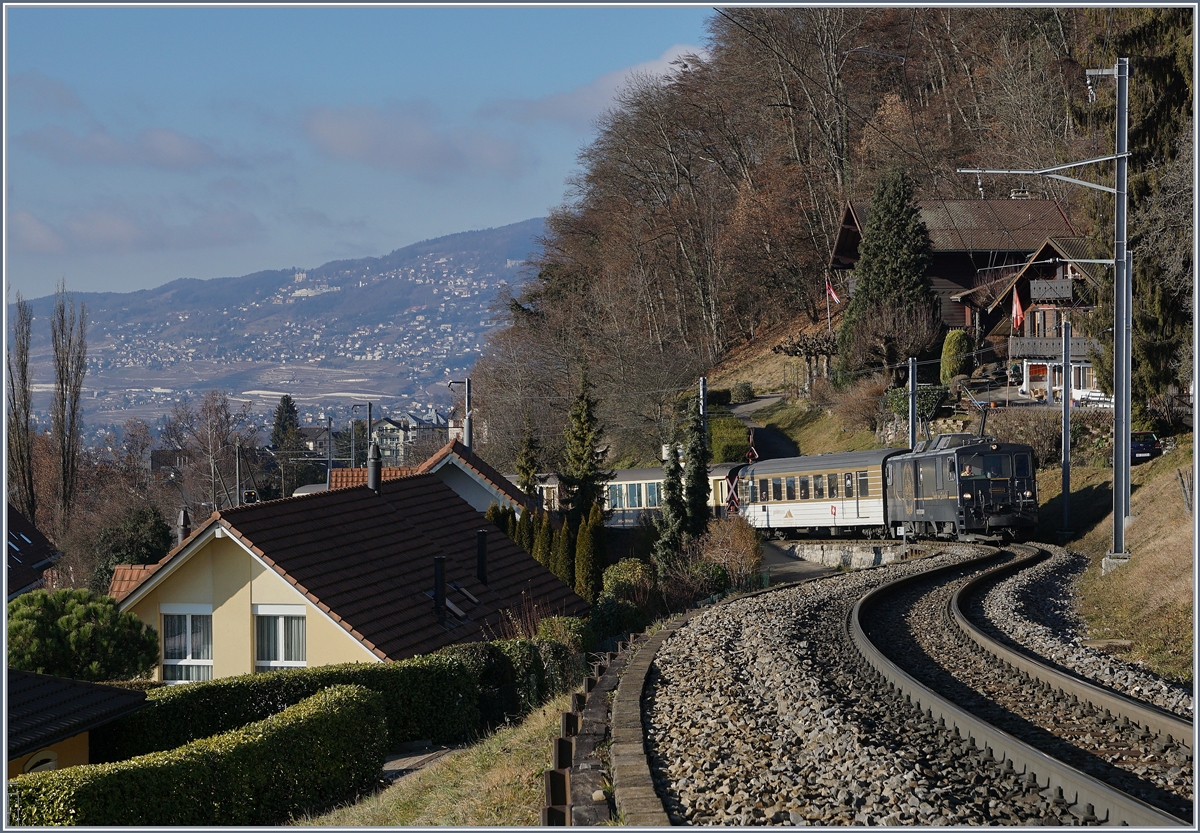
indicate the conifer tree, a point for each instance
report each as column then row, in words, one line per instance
column 890, row 274
column 673, row 516
column 525, row 531
column 585, row 560
column 695, row 485
column 582, row 479
column 527, row 465
column 543, row 544
column 563, row 560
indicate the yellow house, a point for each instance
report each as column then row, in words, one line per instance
column 48, row 719
column 348, row 575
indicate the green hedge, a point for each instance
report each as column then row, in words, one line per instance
column 434, row 697
column 324, row 749
column 728, row 439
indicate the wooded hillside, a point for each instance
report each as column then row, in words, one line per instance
column 706, row 208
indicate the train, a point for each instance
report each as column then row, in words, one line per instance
column 957, row 486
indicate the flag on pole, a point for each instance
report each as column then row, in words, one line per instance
column 1018, row 314
column 829, row 291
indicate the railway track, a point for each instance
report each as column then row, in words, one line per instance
column 790, row 722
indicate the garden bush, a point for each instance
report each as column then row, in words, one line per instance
column 719, row 396
column 956, row 355
column 435, row 697
column 630, row 579
column 571, row 631
column 326, row 748
column 563, row 666
column 861, row 407
column 612, row 617
column 727, row 439
column 499, row 696
column 741, row 392
column 529, row 673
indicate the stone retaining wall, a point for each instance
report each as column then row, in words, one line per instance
column 855, row 555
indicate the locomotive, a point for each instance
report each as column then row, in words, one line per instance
column 954, row 486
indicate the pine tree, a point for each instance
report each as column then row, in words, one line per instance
column 563, row 560
column 585, row 560
column 582, row 479
column 527, row 465
column 543, row 545
column 673, row 515
column 695, row 485
column 525, row 531
column 894, row 256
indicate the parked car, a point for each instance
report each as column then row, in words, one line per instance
column 1143, row 446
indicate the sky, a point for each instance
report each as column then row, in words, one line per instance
column 146, row 144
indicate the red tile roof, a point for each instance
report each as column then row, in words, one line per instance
column 29, row 554
column 367, row 560
column 342, row 478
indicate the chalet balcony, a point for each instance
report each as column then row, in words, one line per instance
column 1051, row 291
column 1050, row 348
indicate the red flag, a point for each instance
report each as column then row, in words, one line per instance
column 1018, row 314
column 829, row 290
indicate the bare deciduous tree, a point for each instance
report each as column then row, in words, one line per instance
column 20, row 416
column 68, row 338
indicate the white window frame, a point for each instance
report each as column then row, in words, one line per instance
column 278, row 612
column 188, row 610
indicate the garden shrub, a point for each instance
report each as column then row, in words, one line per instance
column 861, row 407
column 710, row 579
column 529, row 674
column 741, row 392
column 719, row 396
column 435, row 697
column 326, row 748
column 496, row 677
column 615, row 617
column 629, row 579
column 727, row 439
column 563, row 666
column 956, row 355
column 571, row 631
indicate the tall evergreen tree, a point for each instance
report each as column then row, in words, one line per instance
column 894, row 255
column 287, row 422
column 582, row 478
column 543, row 544
column 695, row 478
column 562, row 561
column 139, row 536
column 600, row 548
column 527, row 465
column 525, row 531
column 585, row 558
column 673, row 515
column 68, row 338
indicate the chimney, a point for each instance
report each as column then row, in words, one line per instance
column 481, row 555
column 183, row 526
column 374, row 468
column 439, row 585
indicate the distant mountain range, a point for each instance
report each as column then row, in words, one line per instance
column 389, row 329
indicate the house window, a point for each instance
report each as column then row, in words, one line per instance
column 652, row 495
column 278, row 637
column 187, row 643
column 633, row 493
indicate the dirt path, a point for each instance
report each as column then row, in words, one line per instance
column 769, row 443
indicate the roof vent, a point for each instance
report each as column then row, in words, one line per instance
column 374, row 468
column 183, row 526
column 1019, row 194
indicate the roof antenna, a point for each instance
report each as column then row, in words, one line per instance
column 979, row 185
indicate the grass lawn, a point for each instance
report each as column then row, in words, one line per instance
column 496, row 782
column 812, row 429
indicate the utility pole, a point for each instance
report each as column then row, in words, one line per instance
column 328, row 452
column 237, row 476
column 704, row 406
column 1065, row 532
column 912, row 402
column 1122, row 263
column 466, row 383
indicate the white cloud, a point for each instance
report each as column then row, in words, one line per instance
column 579, row 107
column 409, row 137
column 42, row 93
column 153, row 147
column 115, row 228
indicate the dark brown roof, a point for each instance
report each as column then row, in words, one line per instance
column 1068, row 248
column 43, row 710
column 966, row 226
column 367, row 560
column 29, row 554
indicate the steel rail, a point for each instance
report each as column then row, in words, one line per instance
column 1157, row 721
column 1088, row 798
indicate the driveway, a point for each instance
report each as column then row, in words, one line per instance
column 769, row 443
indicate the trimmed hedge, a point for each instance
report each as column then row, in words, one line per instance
column 324, row 749
column 434, row 697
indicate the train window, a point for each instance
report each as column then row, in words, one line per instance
column 652, row 495
column 764, row 493
column 753, row 491
column 888, row 475
column 804, row 488
column 950, row 469
column 849, row 485
column 819, row 487
column 864, row 489
column 614, row 497
column 633, row 495
column 776, row 488
column 971, row 465
column 998, row 465
column 790, row 484
column 833, row 485
column 1021, row 465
